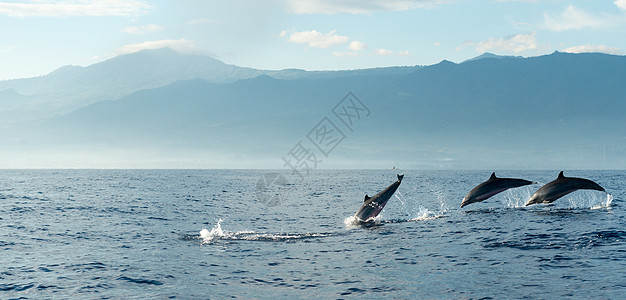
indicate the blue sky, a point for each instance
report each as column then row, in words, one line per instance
column 39, row 36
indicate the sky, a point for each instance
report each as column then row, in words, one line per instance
column 38, row 36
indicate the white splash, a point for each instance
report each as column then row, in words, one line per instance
column 418, row 212
column 425, row 214
column 589, row 199
column 609, row 199
column 517, row 197
column 216, row 232
column 351, row 221
column 583, row 199
column 443, row 207
column 436, row 189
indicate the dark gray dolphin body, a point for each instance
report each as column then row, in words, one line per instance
column 560, row 187
column 373, row 205
column 491, row 187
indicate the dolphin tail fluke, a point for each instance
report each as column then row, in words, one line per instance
column 400, row 177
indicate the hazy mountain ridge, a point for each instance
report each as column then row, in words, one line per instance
column 71, row 87
column 539, row 112
column 124, row 74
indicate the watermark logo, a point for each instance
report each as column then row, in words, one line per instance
column 326, row 136
column 301, row 160
column 272, row 188
column 350, row 109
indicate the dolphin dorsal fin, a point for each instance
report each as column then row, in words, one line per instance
column 366, row 198
column 561, row 175
column 493, row 176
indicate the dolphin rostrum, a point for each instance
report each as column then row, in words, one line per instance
column 491, row 187
column 560, row 187
column 373, row 205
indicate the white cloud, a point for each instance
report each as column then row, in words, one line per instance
column 404, row 53
column 355, row 6
column 142, row 29
column 316, row 39
column 180, row 45
column 573, row 18
column 6, row 48
column 202, row 21
column 357, row 46
column 384, row 52
column 48, row 8
column 516, row 43
column 387, row 52
column 621, row 4
column 346, row 54
column 589, row 48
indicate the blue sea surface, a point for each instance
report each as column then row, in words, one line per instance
column 206, row 234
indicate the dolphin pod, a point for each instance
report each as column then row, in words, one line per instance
column 491, row 187
column 548, row 193
column 373, row 205
column 560, row 187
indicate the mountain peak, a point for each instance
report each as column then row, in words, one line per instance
column 65, row 69
column 446, row 62
column 491, row 55
column 158, row 51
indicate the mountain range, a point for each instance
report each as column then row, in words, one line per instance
column 159, row 108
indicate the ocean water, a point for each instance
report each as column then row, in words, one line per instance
column 212, row 234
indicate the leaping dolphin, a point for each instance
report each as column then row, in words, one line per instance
column 560, row 187
column 491, row 187
column 373, row 205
